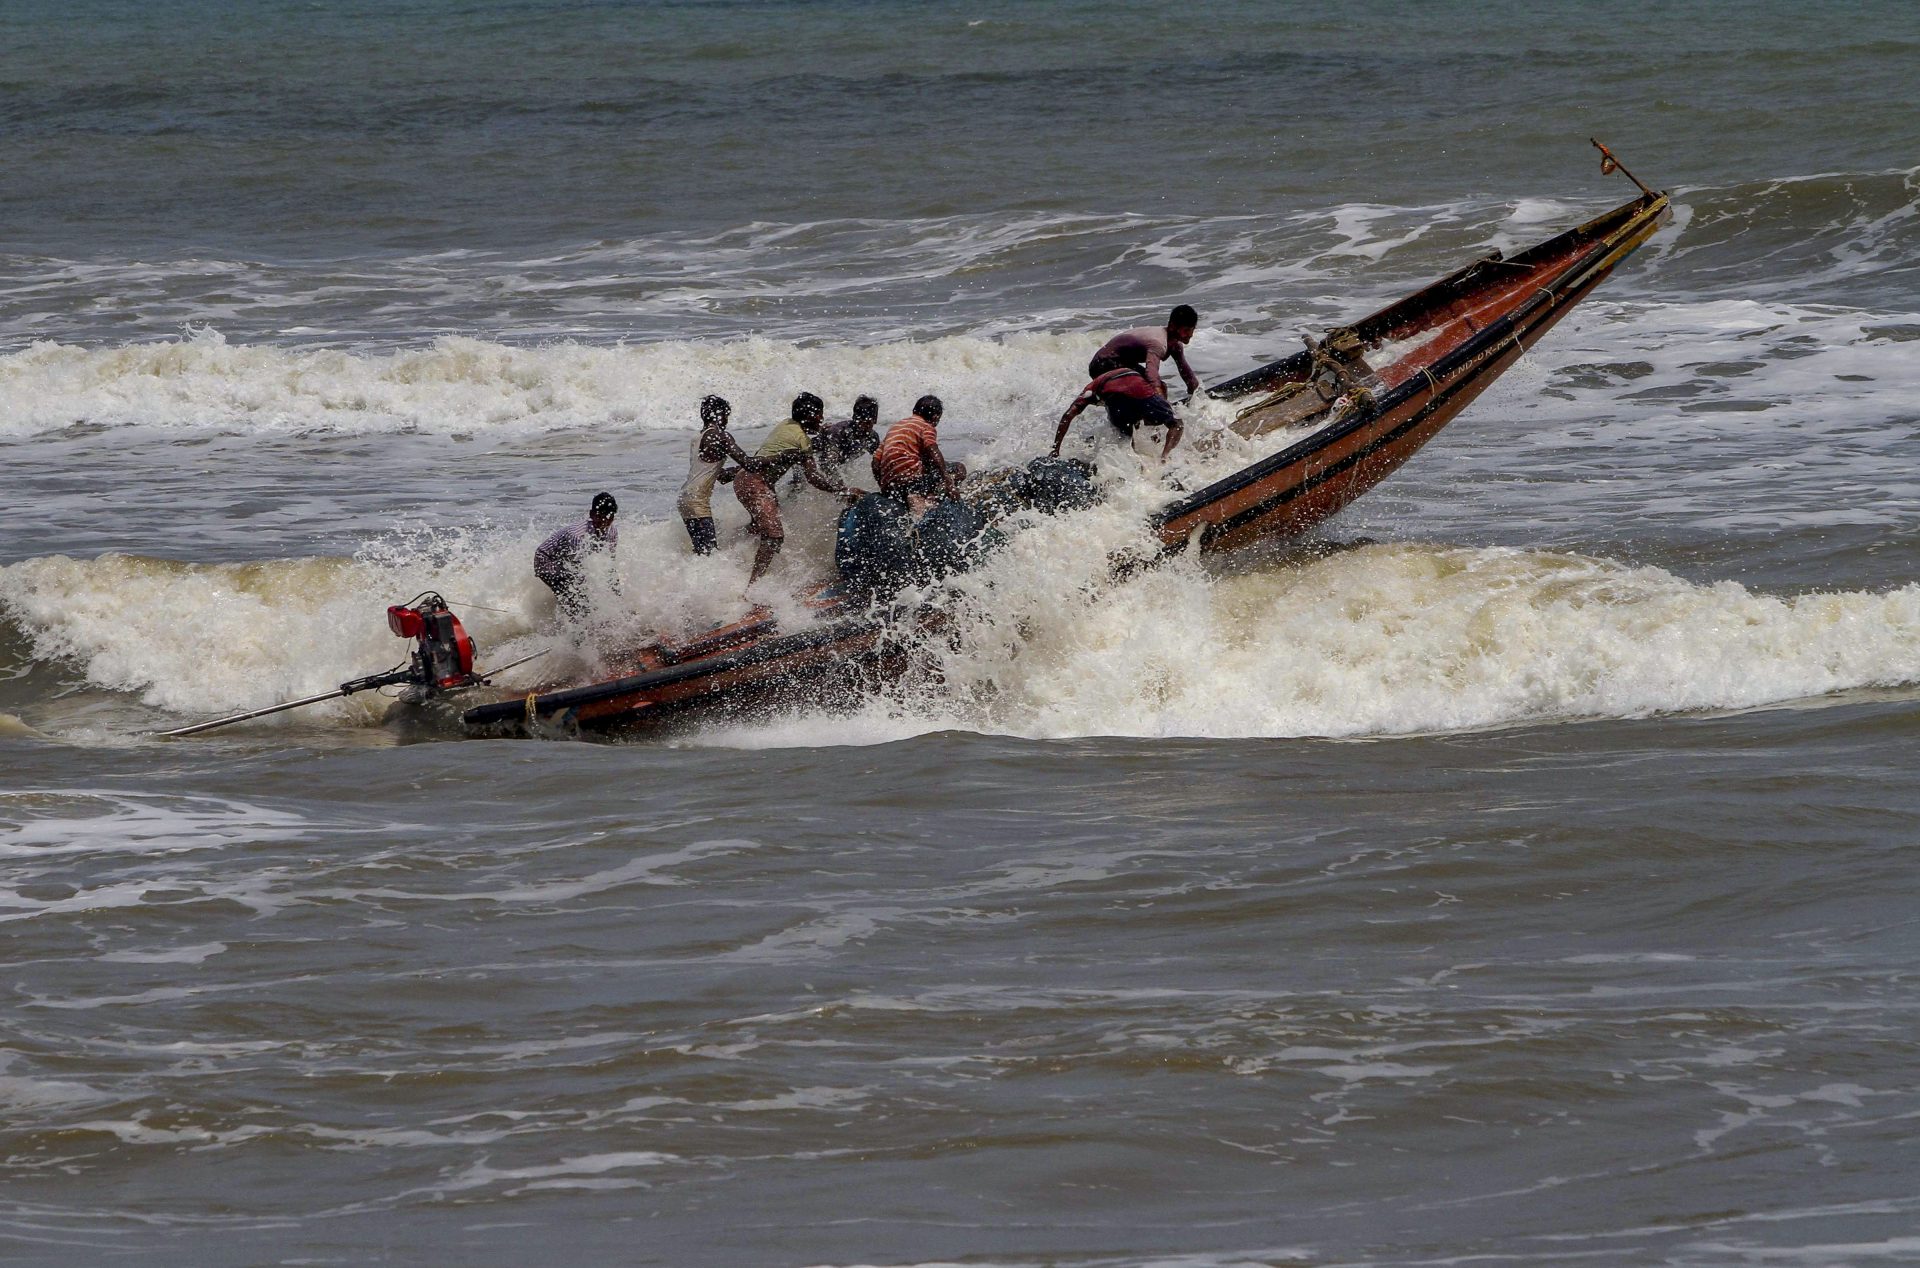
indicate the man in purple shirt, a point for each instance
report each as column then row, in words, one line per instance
column 1159, row 343
column 559, row 559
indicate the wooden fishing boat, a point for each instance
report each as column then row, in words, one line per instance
column 1367, row 396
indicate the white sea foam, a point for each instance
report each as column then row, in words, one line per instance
column 800, row 1098
column 1538, row 211
column 175, row 955
column 457, row 385
column 567, row 1173
column 862, row 281
column 23, row 1095
column 207, row 638
column 1397, row 639
column 1362, row 230
column 42, row 823
column 810, row 939
column 1380, row 640
column 1816, row 358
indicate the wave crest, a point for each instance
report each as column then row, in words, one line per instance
column 459, row 385
column 1377, row 640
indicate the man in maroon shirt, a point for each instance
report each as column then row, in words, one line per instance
column 1130, row 400
column 1158, row 343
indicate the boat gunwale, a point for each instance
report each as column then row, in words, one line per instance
column 721, row 662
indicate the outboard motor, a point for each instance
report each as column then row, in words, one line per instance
column 442, row 660
column 443, row 652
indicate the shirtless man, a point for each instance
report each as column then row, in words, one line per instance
column 790, row 446
column 712, row 447
column 840, row 443
column 1159, row 343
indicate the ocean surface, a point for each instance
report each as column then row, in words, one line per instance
column 1525, row 875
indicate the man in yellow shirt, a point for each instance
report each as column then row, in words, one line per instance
column 790, row 446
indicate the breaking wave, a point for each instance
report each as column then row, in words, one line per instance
column 1397, row 639
column 1815, row 356
column 1377, row 640
column 459, row 385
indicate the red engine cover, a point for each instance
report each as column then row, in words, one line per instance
column 463, row 649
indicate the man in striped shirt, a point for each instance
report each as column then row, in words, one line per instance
column 909, row 460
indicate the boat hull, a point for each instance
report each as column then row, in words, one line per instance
column 833, row 659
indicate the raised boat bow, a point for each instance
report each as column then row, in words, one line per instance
column 1389, row 382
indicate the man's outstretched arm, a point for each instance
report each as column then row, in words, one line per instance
column 1080, row 402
